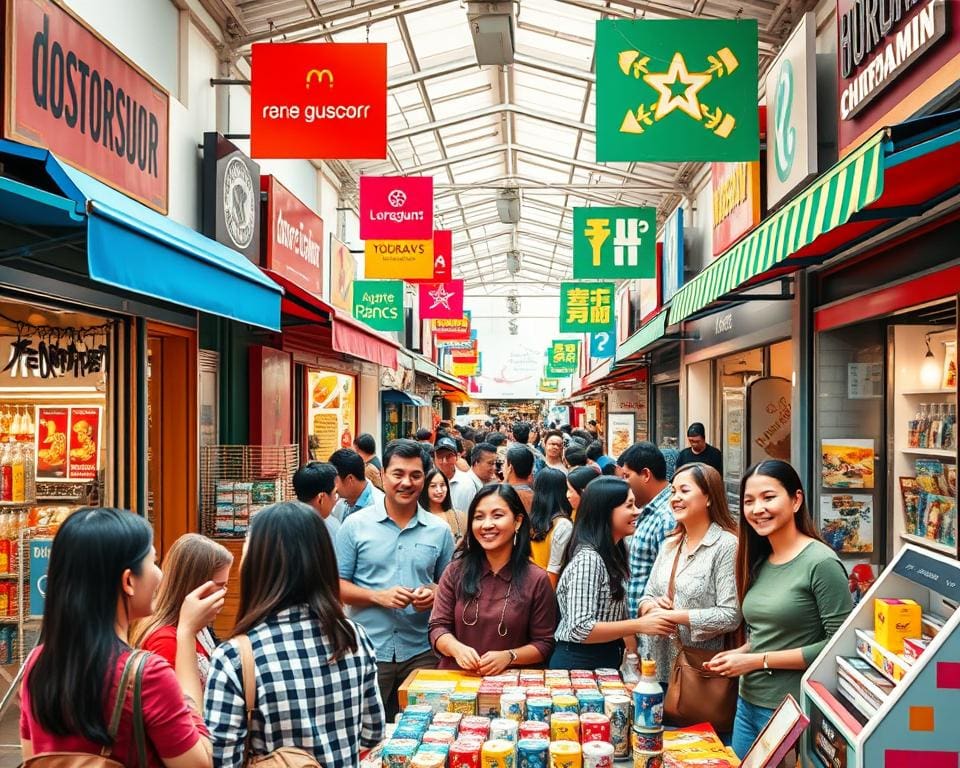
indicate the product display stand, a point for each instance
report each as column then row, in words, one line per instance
column 915, row 723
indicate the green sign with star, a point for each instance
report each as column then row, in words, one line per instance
column 587, row 307
column 677, row 90
column 616, row 243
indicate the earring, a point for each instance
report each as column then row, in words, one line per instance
column 516, row 534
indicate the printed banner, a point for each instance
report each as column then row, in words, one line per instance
column 294, row 240
column 464, row 369
column 379, row 303
column 549, row 385
column 343, row 273
column 677, row 90
column 736, row 202
column 616, row 243
column 442, row 258
column 324, row 100
column 453, row 329
column 441, row 300
column 39, row 563
column 398, row 259
column 52, row 440
column 84, row 460
column 562, row 357
column 603, row 344
column 587, row 307
column 397, row 208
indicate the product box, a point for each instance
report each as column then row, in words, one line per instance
column 892, row 665
column 868, row 682
column 913, row 647
column 894, row 621
column 932, row 624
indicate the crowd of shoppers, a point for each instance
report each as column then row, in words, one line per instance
column 519, row 561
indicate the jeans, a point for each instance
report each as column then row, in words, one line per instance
column 747, row 725
column 587, row 655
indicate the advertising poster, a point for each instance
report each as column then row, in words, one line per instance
column 84, row 443
column 769, row 400
column 847, row 463
column 846, row 521
column 51, row 442
column 39, row 562
column 331, row 409
column 621, row 428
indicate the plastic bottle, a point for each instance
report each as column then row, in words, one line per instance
column 648, row 697
column 18, row 474
column 630, row 670
column 6, row 474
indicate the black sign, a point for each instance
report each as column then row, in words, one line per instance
column 231, row 196
column 942, row 578
column 50, row 360
column 737, row 322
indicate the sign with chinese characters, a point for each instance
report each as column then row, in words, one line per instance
column 379, row 303
column 231, row 196
column 587, row 307
column 397, row 208
column 791, row 112
column 442, row 258
column 614, row 243
column 343, row 273
column 49, row 358
column 294, row 243
column 562, row 357
column 673, row 262
column 441, row 300
column 736, row 202
column 68, row 90
column 398, row 259
column 677, row 90
column 320, row 100
column 603, row 344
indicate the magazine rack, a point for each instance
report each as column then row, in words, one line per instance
column 916, row 725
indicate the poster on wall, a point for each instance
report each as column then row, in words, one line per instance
column 634, row 400
column 331, row 409
column 52, row 439
column 621, row 428
column 733, row 407
column 769, row 408
column 84, row 460
column 846, row 521
column 847, row 463
column 864, row 381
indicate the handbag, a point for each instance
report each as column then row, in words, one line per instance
column 694, row 694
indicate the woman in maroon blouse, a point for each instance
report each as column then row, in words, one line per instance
column 494, row 608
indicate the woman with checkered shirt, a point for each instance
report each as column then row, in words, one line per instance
column 316, row 671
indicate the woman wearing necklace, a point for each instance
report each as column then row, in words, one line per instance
column 494, row 608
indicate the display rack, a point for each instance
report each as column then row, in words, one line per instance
column 236, row 481
column 915, row 723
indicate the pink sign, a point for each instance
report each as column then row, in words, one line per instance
column 442, row 258
column 441, row 301
column 396, row 207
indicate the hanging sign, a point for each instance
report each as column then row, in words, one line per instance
column 736, row 202
column 562, row 357
column 455, row 345
column 231, row 196
column 603, row 344
column 768, row 403
column 587, row 307
column 677, row 90
column 53, row 357
column 442, row 258
column 464, row 369
column 294, row 240
column 343, row 273
column 614, row 242
column 453, row 329
column 39, row 563
column 673, row 255
column 549, row 385
column 379, row 303
column 321, row 100
column 397, row 208
column 84, row 461
column 398, row 259
column 68, row 90
column 441, row 300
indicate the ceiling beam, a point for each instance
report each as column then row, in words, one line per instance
column 444, row 70
column 491, row 111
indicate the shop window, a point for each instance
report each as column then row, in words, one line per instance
column 331, row 412
column 734, row 375
column 667, row 421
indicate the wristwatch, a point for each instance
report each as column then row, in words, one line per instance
column 513, row 656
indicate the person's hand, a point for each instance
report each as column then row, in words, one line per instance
column 655, row 623
column 494, row 662
column 466, row 657
column 395, row 597
column 734, row 663
column 423, row 598
column 664, row 602
column 200, row 608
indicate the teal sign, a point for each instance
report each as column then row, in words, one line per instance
column 785, row 137
column 603, row 344
column 39, row 562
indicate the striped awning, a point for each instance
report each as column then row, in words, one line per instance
column 850, row 186
column 651, row 331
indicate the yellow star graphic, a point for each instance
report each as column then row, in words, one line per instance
column 678, row 72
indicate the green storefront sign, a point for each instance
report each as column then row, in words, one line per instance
column 677, row 90
column 379, row 303
column 587, row 307
column 618, row 243
column 562, row 358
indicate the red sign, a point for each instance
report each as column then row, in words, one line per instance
column 452, row 329
column 52, row 443
column 294, row 237
column 442, row 257
column 319, row 100
column 84, row 443
column 396, row 207
column 67, row 90
column 736, row 202
column 441, row 300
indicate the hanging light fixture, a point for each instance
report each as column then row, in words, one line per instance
column 930, row 369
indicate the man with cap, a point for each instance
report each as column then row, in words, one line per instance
column 446, row 452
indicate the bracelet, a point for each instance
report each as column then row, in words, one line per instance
column 766, row 667
column 513, row 656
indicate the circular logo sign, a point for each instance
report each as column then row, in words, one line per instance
column 239, row 202
column 785, row 135
column 397, row 198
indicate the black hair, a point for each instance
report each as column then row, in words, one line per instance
column 583, row 435
column 404, row 448
column 578, row 442
column 365, row 442
column 74, row 670
column 581, row 477
column 479, row 450
column 521, row 432
column 314, row 478
column 696, row 430
column 595, row 450
column 575, row 456
column 496, row 439
column 423, row 434
column 429, row 453
column 521, row 459
column 609, row 469
column 592, row 528
column 447, row 504
column 348, row 463
column 549, row 501
column 644, row 455
column 566, row 428
column 472, row 554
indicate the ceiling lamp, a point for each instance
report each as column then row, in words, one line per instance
column 514, row 327
column 513, row 262
column 513, row 304
column 491, row 27
column 930, row 368
column 508, row 205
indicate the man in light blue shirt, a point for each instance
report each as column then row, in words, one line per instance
column 390, row 557
column 355, row 490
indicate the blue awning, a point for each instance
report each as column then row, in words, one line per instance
column 132, row 247
column 404, row 398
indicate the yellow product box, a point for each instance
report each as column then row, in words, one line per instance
column 894, row 621
column 890, row 664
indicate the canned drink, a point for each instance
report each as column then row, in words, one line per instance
column 594, row 726
column 648, row 760
column 464, row 702
column 590, row 701
column 566, row 703
column 533, row 753
column 504, row 729
column 540, row 709
column 398, row 753
column 565, row 754
column 464, row 754
column 428, row 760
column 534, row 729
column 565, row 726
column 513, row 706
column 498, row 753
column 617, row 707
column 647, row 739
column 598, row 754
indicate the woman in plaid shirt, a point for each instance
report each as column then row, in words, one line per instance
column 316, row 671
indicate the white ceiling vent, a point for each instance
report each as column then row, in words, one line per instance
column 513, row 262
column 491, row 27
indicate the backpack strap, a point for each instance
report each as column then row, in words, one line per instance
column 249, row 681
column 123, row 686
column 139, row 734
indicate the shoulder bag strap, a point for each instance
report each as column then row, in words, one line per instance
column 671, row 586
column 249, row 681
column 139, row 733
column 122, row 687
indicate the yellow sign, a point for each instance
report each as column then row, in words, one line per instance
column 464, row 369
column 398, row 259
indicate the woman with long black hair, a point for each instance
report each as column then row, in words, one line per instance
column 593, row 629
column 550, row 521
column 435, row 498
column 102, row 576
column 315, row 670
column 494, row 608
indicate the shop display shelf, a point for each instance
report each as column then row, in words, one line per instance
column 941, row 453
column 9, row 577
column 936, row 546
column 918, row 392
column 17, row 504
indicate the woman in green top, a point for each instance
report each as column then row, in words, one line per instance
column 794, row 593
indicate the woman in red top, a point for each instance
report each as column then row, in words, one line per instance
column 192, row 562
column 102, row 575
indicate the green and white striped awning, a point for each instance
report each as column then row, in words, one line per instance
column 651, row 331
column 850, row 186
